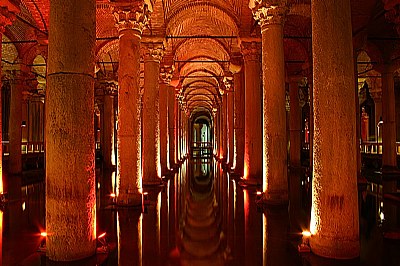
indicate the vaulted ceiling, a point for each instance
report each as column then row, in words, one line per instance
column 201, row 36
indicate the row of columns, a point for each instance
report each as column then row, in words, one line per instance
column 334, row 214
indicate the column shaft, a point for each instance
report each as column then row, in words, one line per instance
column 239, row 119
column 108, row 132
column 253, row 111
column 389, row 156
column 295, row 125
column 69, row 131
column 230, row 126
column 15, row 130
column 151, row 118
column 163, row 127
column 171, row 126
column 275, row 184
column 129, row 126
column 334, row 213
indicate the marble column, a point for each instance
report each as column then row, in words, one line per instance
column 153, row 53
column 376, row 94
column 295, row 123
column 165, row 78
column 15, row 129
column 334, row 213
column 230, row 120
column 171, row 126
column 223, row 132
column 130, row 21
column 271, row 16
column 110, row 89
column 253, row 122
column 7, row 15
column 69, row 132
column 389, row 156
column 239, row 118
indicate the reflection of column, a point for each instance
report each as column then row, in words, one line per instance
column 389, row 156
column 108, row 126
column 130, row 21
column 70, row 156
column 151, row 230
column 130, row 234
column 151, row 114
column 253, row 230
column 271, row 19
column 334, row 213
column 253, row 122
column 15, row 130
column 239, row 118
column 171, row 126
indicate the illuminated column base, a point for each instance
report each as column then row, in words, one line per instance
column 334, row 213
column 70, row 156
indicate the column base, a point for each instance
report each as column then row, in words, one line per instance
column 275, row 199
column 129, row 200
column 335, row 248
column 153, row 182
column 245, row 183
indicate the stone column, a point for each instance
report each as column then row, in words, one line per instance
column 165, row 77
column 177, row 129
column 295, row 123
column 153, row 53
column 334, row 214
column 15, row 130
column 376, row 94
column 223, row 129
column 389, row 156
column 253, row 122
column 110, row 90
column 271, row 15
column 130, row 20
column 239, row 118
column 171, row 126
column 230, row 120
column 7, row 15
column 69, row 132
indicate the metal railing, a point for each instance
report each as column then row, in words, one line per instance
column 201, row 149
column 373, row 147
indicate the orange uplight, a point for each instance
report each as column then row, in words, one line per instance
column 306, row 233
column 112, row 195
column 259, row 193
column 102, row 235
column 43, row 234
column 145, row 193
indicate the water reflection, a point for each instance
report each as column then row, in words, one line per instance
column 201, row 216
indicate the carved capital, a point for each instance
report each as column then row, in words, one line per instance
column 152, row 51
column 251, row 51
column 106, row 87
column 228, row 81
column 392, row 15
column 132, row 15
column 166, row 73
column 269, row 12
column 7, row 16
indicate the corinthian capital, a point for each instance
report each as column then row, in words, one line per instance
column 268, row 12
column 251, row 51
column 132, row 14
column 7, row 15
column 152, row 51
column 166, row 74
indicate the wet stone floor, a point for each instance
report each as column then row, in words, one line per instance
column 201, row 216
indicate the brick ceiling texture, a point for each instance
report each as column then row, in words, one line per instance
column 223, row 25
